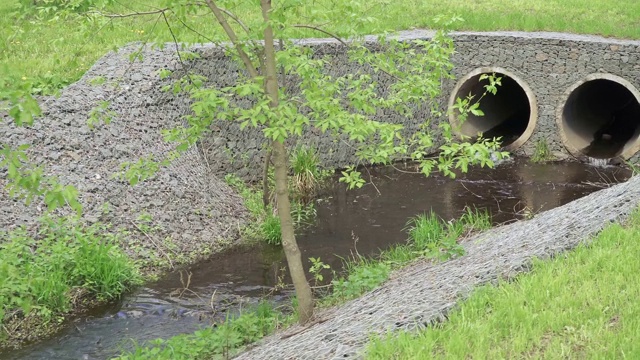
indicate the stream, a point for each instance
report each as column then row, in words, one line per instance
column 360, row 221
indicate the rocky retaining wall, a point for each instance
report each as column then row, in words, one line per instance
column 188, row 199
column 548, row 64
column 190, row 211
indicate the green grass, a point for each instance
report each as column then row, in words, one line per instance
column 219, row 342
column 65, row 266
column 542, row 154
column 581, row 305
column 51, row 54
column 428, row 237
column 265, row 223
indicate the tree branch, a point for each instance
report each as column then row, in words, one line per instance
column 320, row 30
column 137, row 13
column 236, row 19
column 175, row 40
column 233, row 37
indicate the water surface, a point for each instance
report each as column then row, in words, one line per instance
column 362, row 221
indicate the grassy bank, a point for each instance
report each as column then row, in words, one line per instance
column 580, row 305
column 64, row 268
column 52, row 53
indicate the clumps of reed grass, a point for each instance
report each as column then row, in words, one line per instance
column 307, row 174
column 542, row 153
column 428, row 237
column 265, row 225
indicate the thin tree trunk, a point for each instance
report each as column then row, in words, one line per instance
column 266, row 194
column 289, row 244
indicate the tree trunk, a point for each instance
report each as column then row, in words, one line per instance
column 266, row 194
column 291, row 250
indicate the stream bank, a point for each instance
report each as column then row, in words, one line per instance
column 375, row 215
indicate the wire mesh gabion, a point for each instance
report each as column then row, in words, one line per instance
column 423, row 293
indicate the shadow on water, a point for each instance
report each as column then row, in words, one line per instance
column 374, row 215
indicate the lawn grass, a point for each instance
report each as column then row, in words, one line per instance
column 581, row 305
column 52, row 54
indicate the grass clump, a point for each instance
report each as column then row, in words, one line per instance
column 580, row 305
column 222, row 341
column 265, row 224
column 362, row 276
column 542, row 154
column 65, row 266
column 308, row 175
column 428, row 236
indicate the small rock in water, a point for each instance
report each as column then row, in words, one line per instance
column 121, row 315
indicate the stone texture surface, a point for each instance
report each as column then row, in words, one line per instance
column 549, row 63
column 188, row 206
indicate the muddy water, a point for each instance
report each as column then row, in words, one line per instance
column 365, row 221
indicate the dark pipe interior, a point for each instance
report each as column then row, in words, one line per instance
column 506, row 114
column 603, row 115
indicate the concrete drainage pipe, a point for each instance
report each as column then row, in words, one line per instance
column 599, row 117
column 511, row 113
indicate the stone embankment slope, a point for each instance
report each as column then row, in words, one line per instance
column 423, row 293
column 191, row 210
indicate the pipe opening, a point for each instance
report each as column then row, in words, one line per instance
column 601, row 118
column 510, row 114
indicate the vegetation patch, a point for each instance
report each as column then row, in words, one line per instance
column 65, row 267
column 223, row 340
column 307, row 179
column 35, row 51
column 580, row 305
column 429, row 237
column 542, row 154
column 308, row 175
column 265, row 225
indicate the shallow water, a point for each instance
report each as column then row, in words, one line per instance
column 362, row 221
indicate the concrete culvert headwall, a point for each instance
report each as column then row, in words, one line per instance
column 600, row 118
column 511, row 114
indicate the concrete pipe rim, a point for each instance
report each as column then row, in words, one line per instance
column 530, row 95
column 629, row 149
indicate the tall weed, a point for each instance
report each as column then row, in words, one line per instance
column 40, row 275
column 265, row 224
column 307, row 174
column 211, row 342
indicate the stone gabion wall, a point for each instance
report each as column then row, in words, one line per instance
column 189, row 198
column 228, row 149
column 549, row 63
column 190, row 211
